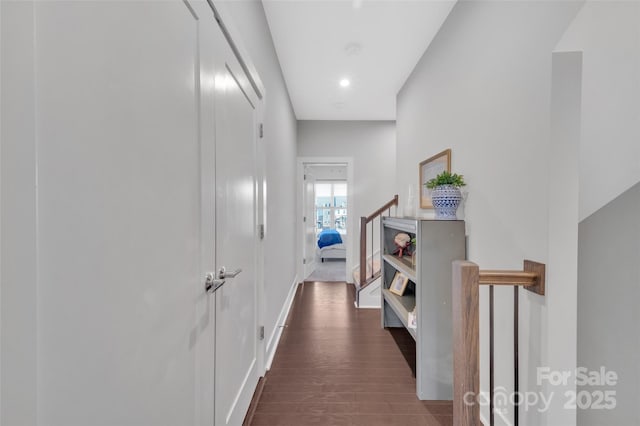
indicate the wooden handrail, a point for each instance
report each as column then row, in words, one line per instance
column 507, row 278
column 363, row 237
column 466, row 280
column 531, row 277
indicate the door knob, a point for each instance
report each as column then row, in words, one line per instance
column 211, row 284
column 223, row 273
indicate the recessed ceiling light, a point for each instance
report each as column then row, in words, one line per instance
column 345, row 82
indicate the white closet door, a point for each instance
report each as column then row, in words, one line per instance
column 237, row 340
column 119, row 212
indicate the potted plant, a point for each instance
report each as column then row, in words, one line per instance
column 445, row 194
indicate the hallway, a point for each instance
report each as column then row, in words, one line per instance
column 335, row 365
column 331, row 270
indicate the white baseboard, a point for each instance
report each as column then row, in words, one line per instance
column 241, row 402
column 274, row 339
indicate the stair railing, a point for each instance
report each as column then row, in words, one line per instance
column 364, row 222
column 467, row 279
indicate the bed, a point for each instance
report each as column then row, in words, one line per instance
column 331, row 245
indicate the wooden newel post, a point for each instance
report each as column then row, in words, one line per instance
column 466, row 334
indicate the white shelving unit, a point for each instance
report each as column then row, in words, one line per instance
column 438, row 243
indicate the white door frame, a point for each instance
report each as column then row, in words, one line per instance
column 351, row 222
column 260, row 182
column 309, row 259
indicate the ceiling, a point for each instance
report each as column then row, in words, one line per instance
column 373, row 43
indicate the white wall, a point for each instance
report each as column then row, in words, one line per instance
column 18, row 279
column 371, row 145
column 608, row 35
column 483, row 89
column 559, row 325
column 280, row 149
column 608, row 315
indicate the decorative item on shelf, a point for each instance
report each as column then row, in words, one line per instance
column 403, row 244
column 412, row 321
column 413, row 252
column 445, row 194
column 399, row 284
column 429, row 169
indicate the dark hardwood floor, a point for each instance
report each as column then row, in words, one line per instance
column 335, row 365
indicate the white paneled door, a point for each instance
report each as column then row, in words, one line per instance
column 237, row 346
column 120, row 234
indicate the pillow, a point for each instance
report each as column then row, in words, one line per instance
column 329, row 237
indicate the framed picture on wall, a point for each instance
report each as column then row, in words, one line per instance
column 398, row 284
column 430, row 168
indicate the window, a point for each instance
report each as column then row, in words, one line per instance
column 331, row 206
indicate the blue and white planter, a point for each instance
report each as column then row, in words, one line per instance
column 445, row 200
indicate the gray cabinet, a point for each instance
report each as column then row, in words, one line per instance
column 437, row 244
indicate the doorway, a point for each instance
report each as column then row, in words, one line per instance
column 330, row 213
column 328, row 235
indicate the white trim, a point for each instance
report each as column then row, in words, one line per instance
column 366, row 295
column 241, row 393
column 260, row 220
column 272, row 345
column 234, row 38
column 351, row 222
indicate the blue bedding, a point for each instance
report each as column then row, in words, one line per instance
column 329, row 237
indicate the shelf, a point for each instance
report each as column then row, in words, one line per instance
column 401, row 305
column 401, row 264
column 400, row 224
column 437, row 244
